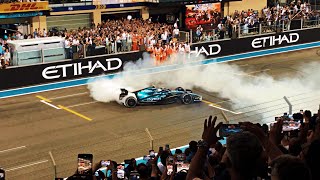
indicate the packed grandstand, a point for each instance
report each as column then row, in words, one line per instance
column 161, row 39
column 285, row 149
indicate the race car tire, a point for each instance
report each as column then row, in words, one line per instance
column 179, row 89
column 131, row 102
column 186, row 99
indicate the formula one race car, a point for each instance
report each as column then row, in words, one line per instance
column 153, row 95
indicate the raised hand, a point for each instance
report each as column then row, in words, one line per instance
column 275, row 134
column 209, row 134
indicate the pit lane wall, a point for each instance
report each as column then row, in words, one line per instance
column 43, row 77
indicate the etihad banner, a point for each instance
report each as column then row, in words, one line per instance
column 255, row 43
column 24, row 7
column 65, row 70
column 106, row 64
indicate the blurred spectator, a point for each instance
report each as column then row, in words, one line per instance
column 307, row 116
column 313, row 158
column 244, row 152
column 270, row 19
column 253, row 153
column 7, row 57
column 2, row 63
column 288, row 167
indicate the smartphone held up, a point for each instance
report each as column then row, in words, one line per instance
column 85, row 165
column 229, row 129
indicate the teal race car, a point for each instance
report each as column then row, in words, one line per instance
column 153, row 96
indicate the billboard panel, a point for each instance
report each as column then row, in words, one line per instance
column 202, row 14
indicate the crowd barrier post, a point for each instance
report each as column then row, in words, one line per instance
column 260, row 28
column 54, row 164
column 42, row 55
column 289, row 104
column 191, row 36
column 188, row 37
column 226, row 119
column 239, row 31
column 115, row 47
column 150, row 138
column 84, row 51
column 301, row 24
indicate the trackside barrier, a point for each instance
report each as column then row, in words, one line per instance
column 83, row 81
column 109, row 64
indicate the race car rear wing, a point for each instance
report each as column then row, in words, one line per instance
column 123, row 93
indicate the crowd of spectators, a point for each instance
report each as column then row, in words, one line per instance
column 113, row 36
column 162, row 40
column 269, row 17
column 251, row 152
column 4, row 54
column 120, row 36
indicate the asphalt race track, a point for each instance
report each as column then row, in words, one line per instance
column 77, row 124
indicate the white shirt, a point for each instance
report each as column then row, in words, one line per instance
column 75, row 42
column 181, row 49
column 176, row 31
column 124, row 36
column 66, row 43
column 164, row 36
column 161, row 167
column 120, row 174
column 187, row 47
column 153, row 42
column 90, row 41
column 129, row 38
column 118, row 39
column 18, row 36
column 107, row 41
column 7, row 56
column 175, row 25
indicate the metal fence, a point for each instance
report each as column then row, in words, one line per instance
column 241, row 31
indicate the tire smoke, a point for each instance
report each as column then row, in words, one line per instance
column 228, row 81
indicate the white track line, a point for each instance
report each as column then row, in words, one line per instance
column 225, row 109
column 51, row 105
column 71, row 95
column 92, row 102
column 26, row 165
column 12, row 149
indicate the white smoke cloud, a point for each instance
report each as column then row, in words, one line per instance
column 229, row 81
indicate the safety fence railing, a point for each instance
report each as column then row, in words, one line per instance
column 205, row 36
column 311, row 23
column 246, row 30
